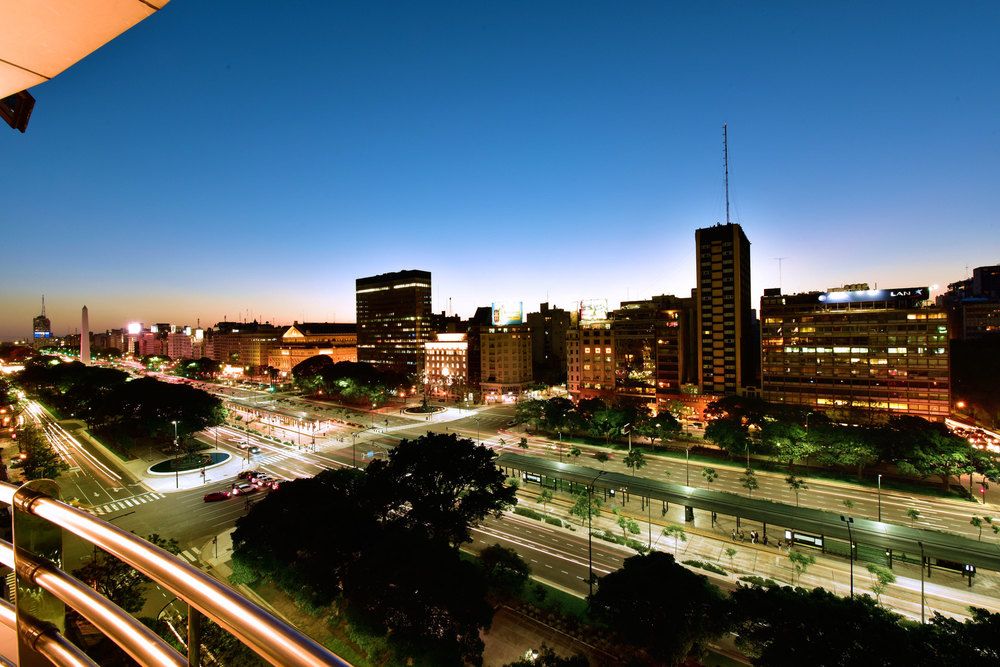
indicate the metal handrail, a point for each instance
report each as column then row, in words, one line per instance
column 269, row 637
column 48, row 641
column 132, row 636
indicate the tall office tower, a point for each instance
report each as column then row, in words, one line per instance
column 84, row 336
column 40, row 325
column 855, row 353
column 726, row 358
column 393, row 316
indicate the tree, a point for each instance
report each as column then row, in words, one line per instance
column 731, row 552
column 529, row 412
column 676, row 532
column 792, row 626
column 662, row 426
column 800, row 562
column 556, row 413
column 977, row 522
column 913, row 514
column 627, row 524
column 602, row 458
column 587, row 506
column 40, row 460
column 796, row 484
column 440, row 484
column 575, row 452
column 523, row 443
column 545, row 497
column 634, row 460
column 608, row 422
column 505, row 570
column 925, row 448
column 710, row 475
column 730, row 435
column 848, row 503
column 546, row 657
column 117, row 581
column 632, row 602
column 883, row 576
column 789, row 440
column 748, row 480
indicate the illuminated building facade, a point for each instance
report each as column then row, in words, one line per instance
column 856, row 353
column 590, row 367
column 41, row 326
column 726, row 351
column 505, row 362
column 974, row 304
column 446, row 365
column 393, row 316
column 299, row 342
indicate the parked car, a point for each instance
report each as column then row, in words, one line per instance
column 217, row 495
column 243, row 489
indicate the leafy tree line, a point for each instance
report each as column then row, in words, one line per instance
column 351, row 382
column 742, row 425
column 596, row 418
column 381, row 545
column 666, row 613
column 115, row 405
column 197, row 369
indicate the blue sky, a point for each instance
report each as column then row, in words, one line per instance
column 226, row 157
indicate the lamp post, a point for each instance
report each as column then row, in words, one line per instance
column 850, row 547
column 590, row 532
column 627, row 429
column 687, row 466
column 922, row 560
column 177, row 449
column 880, row 497
column 478, row 421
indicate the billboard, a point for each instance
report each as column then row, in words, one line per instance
column 508, row 313
column 134, row 328
column 43, row 334
column 593, row 309
column 854, row 296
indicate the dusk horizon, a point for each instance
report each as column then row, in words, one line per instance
column 253, row 169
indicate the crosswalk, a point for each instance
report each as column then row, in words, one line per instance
column 191, row 555
column 134, row 501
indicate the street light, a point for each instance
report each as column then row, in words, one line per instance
column 478, row 420
column 850, row 547
column 922, row 560
column 177, row 450
column 687, row 465
column 590, row 531
column 627, row 429
column 880, row 497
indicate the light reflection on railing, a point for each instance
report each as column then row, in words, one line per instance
column 271, row 638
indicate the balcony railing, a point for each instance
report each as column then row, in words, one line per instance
column 32, row 630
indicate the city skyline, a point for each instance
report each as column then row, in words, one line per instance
column 855, row 154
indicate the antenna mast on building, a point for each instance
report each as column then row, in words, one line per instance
column 725, row 162
column 779, row 260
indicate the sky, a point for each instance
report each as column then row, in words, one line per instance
column 230, row 160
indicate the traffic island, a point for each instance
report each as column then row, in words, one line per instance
column 189, row 463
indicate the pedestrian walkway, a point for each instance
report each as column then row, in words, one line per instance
column 125, row 503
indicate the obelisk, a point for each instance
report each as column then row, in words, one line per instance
column 85, row 337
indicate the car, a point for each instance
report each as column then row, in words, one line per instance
column 217, row 495
column 254, row 449
column 243, row 489
column 249, row 474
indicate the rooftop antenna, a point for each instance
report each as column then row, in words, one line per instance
column 725, row 162
column 449, row 306
column 43, row 296
column 779, row 260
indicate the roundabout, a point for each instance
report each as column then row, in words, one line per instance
column 190, row 463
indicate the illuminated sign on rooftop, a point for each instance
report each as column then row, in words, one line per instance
column 856, row 296
column 592, row 310
column 508, row 313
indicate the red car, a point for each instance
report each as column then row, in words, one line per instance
column 217, row 495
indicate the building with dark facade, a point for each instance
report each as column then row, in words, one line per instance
column 726, row 352
column 548, row 343
column 856, row 353
column 394, row 319
column 41, row 326
column 973, row 304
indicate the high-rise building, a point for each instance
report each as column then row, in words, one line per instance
column 247, row 345
column 726, row 355
column 393, row 316
column 41, row 327
column 973, row 304
column 548, row 343
column 856, row 353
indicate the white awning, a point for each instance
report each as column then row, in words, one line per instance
column 41, row 38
